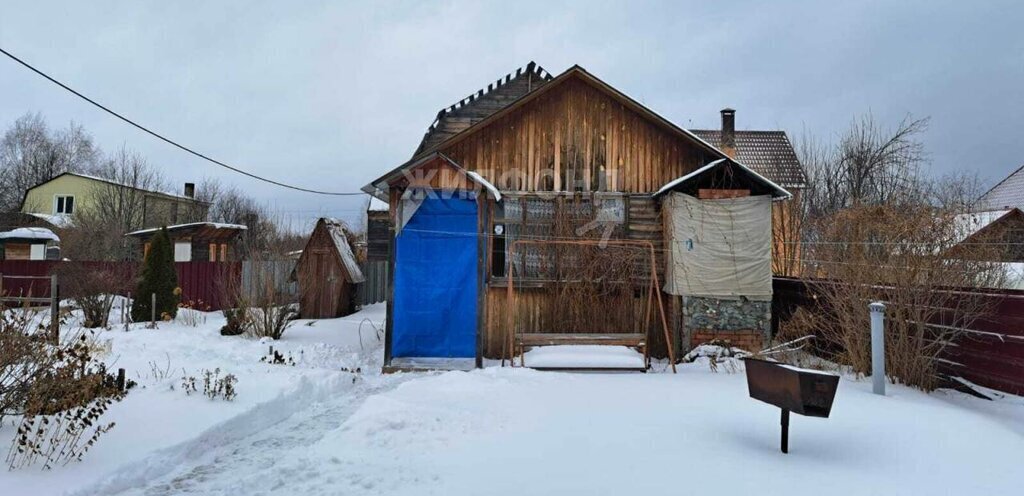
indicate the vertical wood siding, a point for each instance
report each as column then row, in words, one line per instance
column 576, row 131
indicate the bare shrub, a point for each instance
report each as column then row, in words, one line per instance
column 235, row 303
column 271, row 307
column 93, row 289
column 60, row 393
column 900, row 255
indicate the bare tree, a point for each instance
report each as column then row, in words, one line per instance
column 119, row 207
column 958, row 190
column 31, row 153
column 868, row 165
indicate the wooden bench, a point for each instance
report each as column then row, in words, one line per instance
column 522, row 341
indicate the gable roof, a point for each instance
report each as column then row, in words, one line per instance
column 969, row 225
column 336, row 229
column 171, row 196
column 725, row 169
column 574, row 72
column 769, row 153
column 1007, row 194
column 374, row 190
column 485, row 102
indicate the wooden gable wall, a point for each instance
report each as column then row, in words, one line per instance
column 575, row 130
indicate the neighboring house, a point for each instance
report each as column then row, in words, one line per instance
column 377, row 230
column 1007, row 194
column 70, row 193
column 29, row 243
column 327, row 272
column 196, row 241
column 509, row 163
column 996, row 236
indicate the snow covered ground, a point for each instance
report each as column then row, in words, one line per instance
column 317, row 429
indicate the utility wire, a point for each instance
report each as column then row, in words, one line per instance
column 168, row 140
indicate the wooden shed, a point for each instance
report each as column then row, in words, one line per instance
column 327, row 272
column 196, row 241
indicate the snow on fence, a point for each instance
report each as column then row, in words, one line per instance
column 990, row 353
column 200, row 282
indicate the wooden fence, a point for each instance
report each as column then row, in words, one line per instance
column 375, row 288
column 990, row 353
column 200, row 282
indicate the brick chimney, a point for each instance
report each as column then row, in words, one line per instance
column 190, row 190
column 728, row 142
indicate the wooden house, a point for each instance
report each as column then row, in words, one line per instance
column 513, row 186
column 327, row 272
column 196, row 241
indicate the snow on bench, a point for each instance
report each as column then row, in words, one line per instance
column 582, row 356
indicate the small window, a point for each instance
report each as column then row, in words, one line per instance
column 182, row 251
column 37, row 252
column 64, row 204
column 213, row 252
column 223, row 252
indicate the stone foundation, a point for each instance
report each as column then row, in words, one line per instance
column 745, row 323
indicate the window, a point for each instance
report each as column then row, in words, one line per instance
column 213, row 252
column 577, row 216
column 64, row 204
column 37, row 252
column 182, row 251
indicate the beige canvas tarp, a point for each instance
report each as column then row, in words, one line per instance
column 719, row 248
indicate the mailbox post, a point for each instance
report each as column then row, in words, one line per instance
column 792, row 389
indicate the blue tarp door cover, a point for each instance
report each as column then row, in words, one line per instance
column 435, row 300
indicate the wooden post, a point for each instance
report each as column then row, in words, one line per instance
column 54, row 309
column 785, row 430
column 152, row 310
column 126, row 312
column 120, row 379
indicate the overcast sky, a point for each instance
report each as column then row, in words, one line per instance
column 329, row 95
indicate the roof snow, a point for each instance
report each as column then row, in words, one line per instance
column 965, row 225
column 58, row 220
column 337, row 230
column 376, row 205
column 37, row 233
column 126, row 185
column 780, row 192
column 215, row 225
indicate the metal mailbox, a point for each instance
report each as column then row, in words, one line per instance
column 807, row 392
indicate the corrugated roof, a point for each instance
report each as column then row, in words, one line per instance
column 768, row 153
column 1009, row 193
column 482, row 104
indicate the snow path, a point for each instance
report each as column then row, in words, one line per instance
column 218, row 471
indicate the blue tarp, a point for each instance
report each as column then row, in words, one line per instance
column 435, row 302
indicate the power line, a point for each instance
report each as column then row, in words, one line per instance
column 168, row 140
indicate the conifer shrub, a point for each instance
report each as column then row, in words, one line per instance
column 158, row 277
